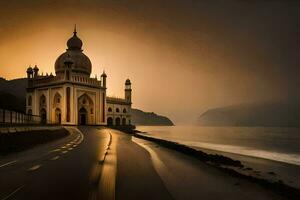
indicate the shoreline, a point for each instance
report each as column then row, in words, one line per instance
column 228, row 165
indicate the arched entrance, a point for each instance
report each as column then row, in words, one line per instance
column 110, row 121
column 118, row 121
column 124, row 121
column 43, row 114
column 82, row 116
column 86, row 110
column 57, row 116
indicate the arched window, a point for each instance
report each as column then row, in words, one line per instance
column 57, row 98
column 110, row 121
column 117, row 110
column 124, row 110
column 109, row 109
column 29, row 101
column 118, row 121
column 124, row 121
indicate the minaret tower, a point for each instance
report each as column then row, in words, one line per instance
column 103, row 76
column 128, row 91
column 29, row 72
column 36, row 71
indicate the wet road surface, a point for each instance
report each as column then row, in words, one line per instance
column 91, row 163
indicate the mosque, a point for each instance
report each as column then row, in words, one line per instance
column 72, row 96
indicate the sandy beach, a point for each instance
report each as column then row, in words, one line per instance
column 187, row 178
column 264, row 168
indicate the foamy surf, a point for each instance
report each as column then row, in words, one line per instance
column 282, row 157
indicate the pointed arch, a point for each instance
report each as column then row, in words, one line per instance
column 118, row 121
column 86, row 109
column 57, row 99
column 110, row 121
column 124, row 121
column 85, row 99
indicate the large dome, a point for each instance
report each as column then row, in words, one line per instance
column 81, row 63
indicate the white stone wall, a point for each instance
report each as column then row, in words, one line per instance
column 114, row 114
column 76, row 91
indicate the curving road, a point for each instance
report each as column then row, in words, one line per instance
column 99, row 163
column 81, row 166
column 58, row 170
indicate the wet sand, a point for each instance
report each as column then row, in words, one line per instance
column 264, row 168
column 188, row 178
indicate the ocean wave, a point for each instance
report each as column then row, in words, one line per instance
column 276, row 156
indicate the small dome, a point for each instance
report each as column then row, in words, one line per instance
column 74, row 43
column 104, row 74
column 127, row 82
column 35, row 68
column 29, row 69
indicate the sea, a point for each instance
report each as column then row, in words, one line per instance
column 273, row 143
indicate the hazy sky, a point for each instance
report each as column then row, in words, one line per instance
column 182, row 56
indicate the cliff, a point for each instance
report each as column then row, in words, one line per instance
column 140, row 117
column 283, row 114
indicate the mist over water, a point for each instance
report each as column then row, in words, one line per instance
column 273, row 143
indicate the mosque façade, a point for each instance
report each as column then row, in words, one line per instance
column 72, row 97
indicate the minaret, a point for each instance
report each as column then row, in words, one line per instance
column 103, row 76
column 29, row 72
column 29, row 76
column 128, row 91
column 36, row 71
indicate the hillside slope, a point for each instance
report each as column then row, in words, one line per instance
column 16, row 87
column 140, row 117
column 260, row 114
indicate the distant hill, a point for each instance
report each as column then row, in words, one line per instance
column 16, row 87
column 13, row 93
column 11, row 102
column 260, row 114
column 140, row 117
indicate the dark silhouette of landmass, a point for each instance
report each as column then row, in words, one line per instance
column 140, row 117
column 279, row 114
column 17, row 87
column 13, row 94
column 11, row 102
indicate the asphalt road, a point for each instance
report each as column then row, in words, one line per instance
column 57, row 170
column 91, row 163
column 98, row 163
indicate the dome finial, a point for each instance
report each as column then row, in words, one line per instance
column 75, row 32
